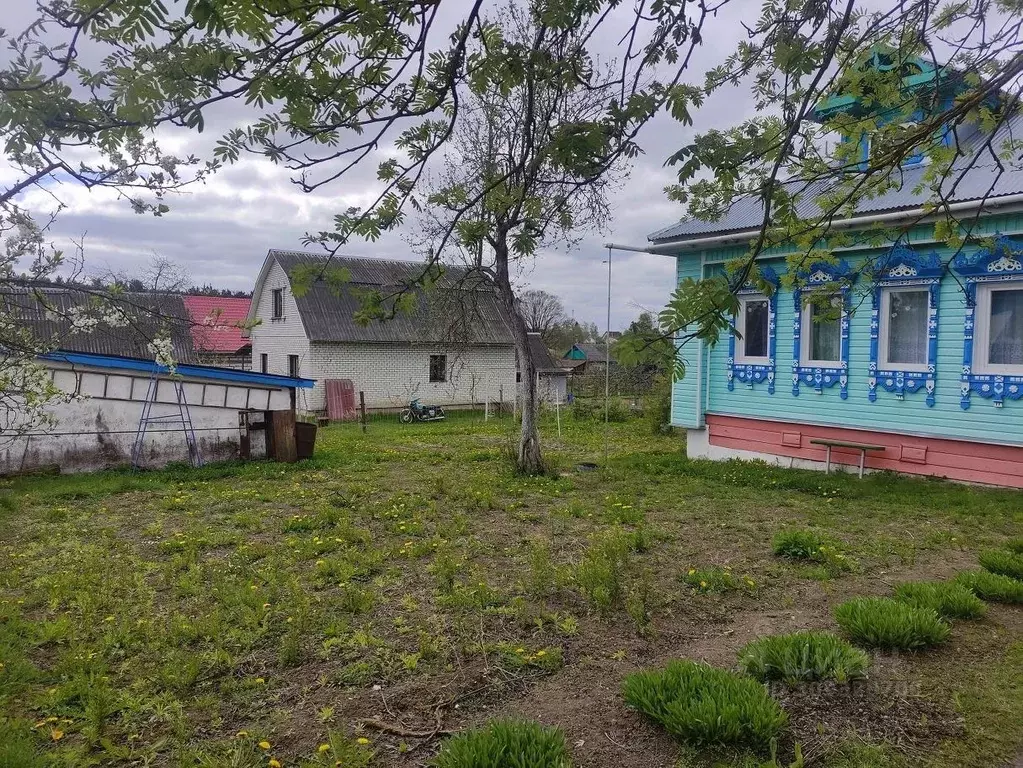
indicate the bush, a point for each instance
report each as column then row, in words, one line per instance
column 702, row 705
column 948, row 599
column 505, row 744
column 803, row 656
column 881, row 622
column 1003, row 562
column 807, row 545
column 992, row 586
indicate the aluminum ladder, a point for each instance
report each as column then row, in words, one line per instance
column 181, row 420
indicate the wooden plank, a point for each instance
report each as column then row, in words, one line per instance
column 845, row 444
column 283, row 430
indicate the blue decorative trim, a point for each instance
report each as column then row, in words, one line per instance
column 191, row 371
column 902, row 266
column 744, row 372
column 1003, row 262
column 833, row 278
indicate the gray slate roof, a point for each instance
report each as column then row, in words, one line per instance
column 147, row 314
column 543, row 360
column 458, row 309
column 965, row 183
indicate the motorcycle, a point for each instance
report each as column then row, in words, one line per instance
column 416, row 411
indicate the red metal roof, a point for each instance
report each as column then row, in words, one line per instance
column 215, row 322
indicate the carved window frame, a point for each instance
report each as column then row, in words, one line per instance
column 996, row 265
column 834, row 279
column 902, row 267
column 749, row 373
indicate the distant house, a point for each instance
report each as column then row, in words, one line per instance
column 107, row 373
column 453, row 348
column 585, row 358
column 551, row 376
column 216, row 327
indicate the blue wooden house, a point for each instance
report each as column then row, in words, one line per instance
column 922, row 372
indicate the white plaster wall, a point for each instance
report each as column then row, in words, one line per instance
column 107, row 414
column 392, row 374
column 279, row 338
column 552, row 389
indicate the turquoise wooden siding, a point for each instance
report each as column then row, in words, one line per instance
column 686, row 404
column 983, row 421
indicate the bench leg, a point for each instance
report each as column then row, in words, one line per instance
column 863, row 456
column 827, row 464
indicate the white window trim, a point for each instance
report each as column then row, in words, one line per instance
column 982, row 331
column 883, row 363
column 806, row 327
column 740, row 327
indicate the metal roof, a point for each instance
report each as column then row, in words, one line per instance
column 217, row 322
column 459, row 309
column 595, row 353
column 975, row 175
column 190, row 371
column 46, row 311
column 543, row 360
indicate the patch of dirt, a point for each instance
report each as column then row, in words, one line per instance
column 881, row 709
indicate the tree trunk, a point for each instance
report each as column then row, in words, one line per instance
column 529, row 459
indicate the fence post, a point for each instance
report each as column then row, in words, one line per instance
column 500, row 397
column 362, row 409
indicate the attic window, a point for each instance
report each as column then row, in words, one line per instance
column 278, row 303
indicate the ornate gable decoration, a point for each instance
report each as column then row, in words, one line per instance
column 902, row 265
column 767, row 274
column 1002, row 262
column 835, row 278
column 756, row 374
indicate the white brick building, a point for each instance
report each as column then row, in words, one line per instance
column 454, row 348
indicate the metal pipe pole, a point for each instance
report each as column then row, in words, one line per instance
column 607, row 364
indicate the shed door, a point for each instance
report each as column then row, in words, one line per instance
column 340, row 399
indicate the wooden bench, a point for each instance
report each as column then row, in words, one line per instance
column 861, row 447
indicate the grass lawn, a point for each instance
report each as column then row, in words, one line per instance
column 405, row 583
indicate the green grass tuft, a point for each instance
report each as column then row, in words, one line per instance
column 701, row 705
column 880, row 622
column 505, row 744
column 803, row 656
column 1015, row 545
column 992, row 586
column 1003, row 562
column 948, row 599
column 807, row 545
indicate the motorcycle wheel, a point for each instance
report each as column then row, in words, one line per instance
column 405, row 416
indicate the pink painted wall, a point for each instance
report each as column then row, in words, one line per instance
column 954, row 459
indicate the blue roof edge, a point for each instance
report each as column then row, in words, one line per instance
column 195, row 371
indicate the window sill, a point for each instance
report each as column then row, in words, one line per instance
column 1004, row 370
column 903, row 368
column 278, row 319
column 821, row 364
column 752, row 361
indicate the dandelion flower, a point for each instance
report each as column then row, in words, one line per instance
column 274, row 763
column 56, row 734
column 692, row 571
column 264, row 745
column 323, row 748
column 703, row 584
column 362, row 740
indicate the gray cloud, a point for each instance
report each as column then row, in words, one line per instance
column 220, row 231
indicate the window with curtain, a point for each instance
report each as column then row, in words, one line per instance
column 906, row 317
column 1005, row 329
column 754, row 321
column 822, row 328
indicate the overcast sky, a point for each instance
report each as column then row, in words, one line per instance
column 221, row 230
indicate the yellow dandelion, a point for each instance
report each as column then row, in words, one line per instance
column 362, row 740
column 323, row 748
column 242, row 734
column 264, row 745
column 274, row 763
column 692, row 571
column 56, row 734
column 703, row 584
